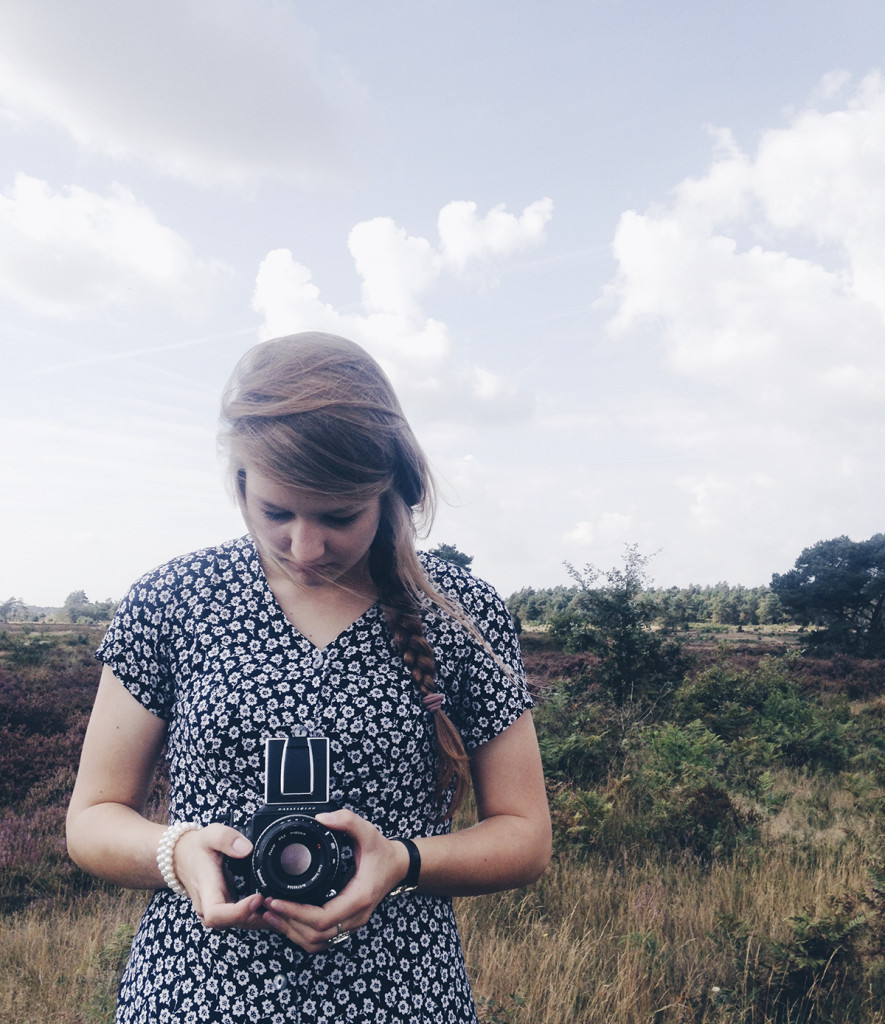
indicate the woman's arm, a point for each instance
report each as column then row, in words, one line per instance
column 107, row 835
column 107, row 832
column 510, row 845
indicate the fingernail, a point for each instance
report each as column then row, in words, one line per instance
column 241, row 846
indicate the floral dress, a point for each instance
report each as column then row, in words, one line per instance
column 202, row 643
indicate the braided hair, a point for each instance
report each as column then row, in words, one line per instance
column 402, row 613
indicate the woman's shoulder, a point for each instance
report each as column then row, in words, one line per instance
column 478, row 598
column 491, row 634
column 232, row 560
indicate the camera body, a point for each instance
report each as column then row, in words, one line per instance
column 293, row 856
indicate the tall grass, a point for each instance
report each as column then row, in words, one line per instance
column 785, row 924
column 61, row 961
column 650, row 940
column 594, row 942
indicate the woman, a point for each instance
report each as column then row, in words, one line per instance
column 322, row 622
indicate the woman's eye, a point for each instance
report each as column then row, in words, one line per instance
column 276, row 517
column 340, row 522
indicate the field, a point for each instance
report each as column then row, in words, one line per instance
column 718, row 862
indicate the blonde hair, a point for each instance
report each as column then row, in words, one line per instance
column 316, row 412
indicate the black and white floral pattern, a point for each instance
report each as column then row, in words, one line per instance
column 203, row 643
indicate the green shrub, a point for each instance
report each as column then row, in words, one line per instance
column 766, row 717
column 578, row 817
column 678, row 794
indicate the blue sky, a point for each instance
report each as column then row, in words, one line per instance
column 625, row 262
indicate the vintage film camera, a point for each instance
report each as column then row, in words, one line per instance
column 294, row 857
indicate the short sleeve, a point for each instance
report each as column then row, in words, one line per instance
column 138, row 644
column 482, row 676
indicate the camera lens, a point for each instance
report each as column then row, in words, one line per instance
column 295, row 859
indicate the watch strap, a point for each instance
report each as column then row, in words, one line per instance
column 410, row 882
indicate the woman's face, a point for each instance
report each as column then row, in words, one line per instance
column 315, row 541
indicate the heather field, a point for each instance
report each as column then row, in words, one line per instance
column 719, row 843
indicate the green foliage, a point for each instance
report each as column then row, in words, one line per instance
column 687, row 766
column 765, row 718
column 672, row 609
column 613, row 621
column 839, row 586
column 677, row 794
column 12, row 610
column 579, row 817
column 496, row 1011
column 79, row 609
column 579, row 737
column 451, row 554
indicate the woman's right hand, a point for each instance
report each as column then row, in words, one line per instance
column 108, row 834
column 198, row 861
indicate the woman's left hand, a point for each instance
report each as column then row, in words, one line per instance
column 381, row 864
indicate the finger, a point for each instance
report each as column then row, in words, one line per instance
column 226, row 840
column 311, row 939
column 309, row 926
column 246, row 913
column 343, row 820
column 303, row 914
column 198, row 862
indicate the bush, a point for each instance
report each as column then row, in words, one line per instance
column 764, row 711
column 614, row 622
column 679, row 800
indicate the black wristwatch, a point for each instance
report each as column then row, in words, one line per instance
column 410, row 882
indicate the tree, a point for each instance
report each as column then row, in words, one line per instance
column 612, row 617
column 451, row 554
column 11, row 609
column 839, row 586
column 74, row 603
column 79, row 609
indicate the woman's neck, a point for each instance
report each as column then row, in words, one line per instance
column 323, row 611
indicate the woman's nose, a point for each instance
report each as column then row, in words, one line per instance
column 306, row 542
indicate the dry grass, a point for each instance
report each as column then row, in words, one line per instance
column 59, row 966
column 643, row 941
column 639, row 941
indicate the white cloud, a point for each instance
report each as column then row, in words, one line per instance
column 75, row 251
column 406, row 343
column 464, row 237
column 397, row 270
column 209, row 90
column 825, row 176
column 489, row 385
column 760, row 283
column 608, row 532
column 797, row 315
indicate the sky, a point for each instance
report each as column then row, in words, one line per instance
column 624, row 261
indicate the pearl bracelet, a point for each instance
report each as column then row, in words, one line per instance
column 164, row 854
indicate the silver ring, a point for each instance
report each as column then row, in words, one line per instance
column 342, row 936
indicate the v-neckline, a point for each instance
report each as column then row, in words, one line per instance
column 304, row 635
column 316, row 648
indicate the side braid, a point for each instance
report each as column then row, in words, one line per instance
column 402, row 615
column 408, row 635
